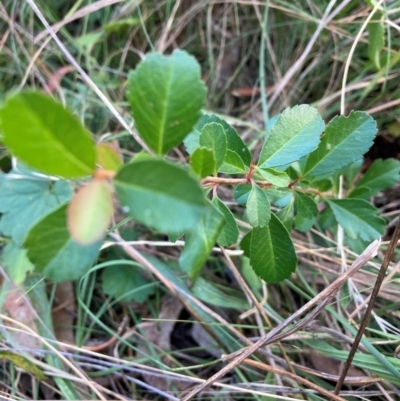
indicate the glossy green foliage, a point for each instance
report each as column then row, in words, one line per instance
column 276, row 178
column 233, row 164
column 54, row 253
column 16, row 262
column 160, row 195
column 295, row 134
column 241, row 193
column 202, row 162
column 213, row 137
column 382, row 174
column 166, row 96
column 306, row 211
column 237, row 155
column 358, row 218
column 200, row 241
column 23, row 202
column 46, row 136
column 258, row 208
column 230, row 231
column 346, row 139
column 271, row 251
column 297, row 173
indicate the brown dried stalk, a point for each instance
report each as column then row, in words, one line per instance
column 374, row 294
column 322, row 297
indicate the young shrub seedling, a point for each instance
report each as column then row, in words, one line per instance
column 292, row 184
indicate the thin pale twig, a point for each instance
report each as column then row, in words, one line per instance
column 258, row 306
column 374, row 295
column 183, row 295
column 368, row 253
column 86, row 78
column 91, row 384
column 294, row 377
column 82, row 12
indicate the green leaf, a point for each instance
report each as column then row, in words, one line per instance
column 54, row 253
column 271, row 251
column 351, row 171
column 236, row 144
column 250, row 276
column 173, row 237
column 25, row 201
column 382, row 174
column 241, row 193
column 46, row 136
column 213, row 137
column 376, row 39
column 280, row 197
column 121, row 25
column 199, row 243
column 202, row 162
column 125, row 282
column 286, row 216
column 276, row 178
column 23, row 363
column 166, row 96
column 258, row 208
column 306, row 211
column 295, row 134
column 302, row 223
column 346, row 139
column 160, row 195
column 323, row 185
column 209, row 293
column 305, row 205
column 245, row 244
column 358, row 218
column 108, row 157
column 16, row 262
column 230, row 232
column 234, row 141
column 233, row 164
column 90, row 212
column 327, row 219
column 271, row 123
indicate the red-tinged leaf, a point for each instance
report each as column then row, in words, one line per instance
column 90, row 212
column 108, row 157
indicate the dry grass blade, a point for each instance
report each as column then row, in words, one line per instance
column 67, row 362
column 368, row 254
column 257, row 305
column 86, row 77
column 299, row 63
column 351, row 53
column 182, row 295
column 82, row 12
column 294, row 377
column 374, row 294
